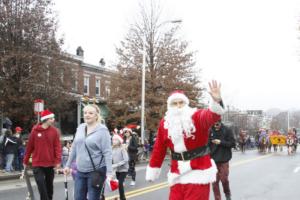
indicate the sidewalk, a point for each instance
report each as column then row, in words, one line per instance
column 17, row 174
column 12, row 175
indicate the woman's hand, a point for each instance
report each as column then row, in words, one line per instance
column 67, row 170
column 216, row 141
column 110, row 176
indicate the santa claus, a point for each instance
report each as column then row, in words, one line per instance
column 185, row 131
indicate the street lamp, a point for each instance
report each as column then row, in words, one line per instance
column 288, row 120
column 1, row 116
column 143, row 80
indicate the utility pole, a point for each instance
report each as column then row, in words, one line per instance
column 227, row 113
column 1, row 116
column 143, row 91
column 144, row 80
column 288, row 120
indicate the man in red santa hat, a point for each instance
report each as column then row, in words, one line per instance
column 45, row 148
column 185, row 131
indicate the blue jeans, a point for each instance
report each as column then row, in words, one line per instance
column 84, row 188
column 18, row 162
column 9, row 161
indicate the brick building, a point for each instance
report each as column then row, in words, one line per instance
column 90, row 84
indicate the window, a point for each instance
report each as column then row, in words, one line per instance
column 107, row 89
column 97, row 92
column 74, row 81
column 86, row 85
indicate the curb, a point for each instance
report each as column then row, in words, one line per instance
column 6, row 177
column 9, row 177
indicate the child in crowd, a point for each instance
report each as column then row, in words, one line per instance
column 120, row 162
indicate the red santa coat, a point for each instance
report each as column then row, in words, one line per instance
column 200, row 170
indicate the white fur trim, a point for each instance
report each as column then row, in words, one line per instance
column 179, row 145
column 194, row 176
column 184, row 166
column 152, row 173
column 178, row 96
column 47, row 117
column 216, row 108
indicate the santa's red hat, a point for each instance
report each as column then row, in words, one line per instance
column 177, row 94
column 46, row 114
column 118, row 137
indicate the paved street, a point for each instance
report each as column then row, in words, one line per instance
column 253, row 176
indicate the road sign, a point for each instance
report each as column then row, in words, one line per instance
column 38, row 105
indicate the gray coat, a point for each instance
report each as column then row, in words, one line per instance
column 99, row 145
column 120, row 159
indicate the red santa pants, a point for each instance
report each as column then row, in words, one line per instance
column 189, row 192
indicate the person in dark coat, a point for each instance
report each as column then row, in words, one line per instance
column 19, row 156
column 10, row 150
column 221, row 142
column 132, row 149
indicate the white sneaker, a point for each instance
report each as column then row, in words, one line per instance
column 132, row 183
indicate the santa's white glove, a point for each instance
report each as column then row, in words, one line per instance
column 152, row 173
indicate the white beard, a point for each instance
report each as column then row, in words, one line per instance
column 179, row 122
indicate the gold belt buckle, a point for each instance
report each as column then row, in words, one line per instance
column 182, row 156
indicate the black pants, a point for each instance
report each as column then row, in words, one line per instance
column 44, row 179
column 121, row 177
column 131, row 170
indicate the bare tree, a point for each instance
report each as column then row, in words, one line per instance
column 30, row 58
column 279, row 122
column 169, row 66
column 295, row 119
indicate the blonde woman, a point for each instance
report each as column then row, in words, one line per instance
column 92, row 150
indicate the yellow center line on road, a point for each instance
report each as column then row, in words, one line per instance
column 162, row 185
column 146, row 191
column 142, row 190
column 249, row 160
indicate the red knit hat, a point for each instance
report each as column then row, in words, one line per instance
column 18, row 129
column 46, row 114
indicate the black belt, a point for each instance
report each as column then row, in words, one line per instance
column 189, row 155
